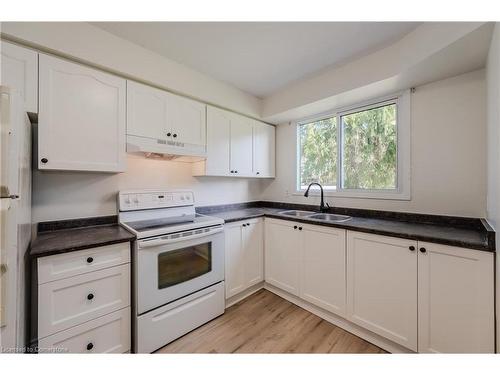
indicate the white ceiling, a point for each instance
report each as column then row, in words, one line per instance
column 260, row 58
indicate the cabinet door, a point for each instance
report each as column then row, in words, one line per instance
column 146, row 111
column 263, row 150
column 81, row 122
column 455, row 300
column 253, row 238
column 241, row 146
column 218, row 142
column 282, row 246
column 187, row 120
column 323, row 274
column 235, row 277
column 20, row 72
column 382, row 286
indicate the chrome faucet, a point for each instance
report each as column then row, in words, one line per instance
column 322, row 206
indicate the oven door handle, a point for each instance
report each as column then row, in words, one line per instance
column 165, row 241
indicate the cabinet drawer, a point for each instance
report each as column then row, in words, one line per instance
column 165, row 324
column 61, row 266
column 107, row 334
column 65, row 303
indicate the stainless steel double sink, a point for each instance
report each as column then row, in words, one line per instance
column 316, row 216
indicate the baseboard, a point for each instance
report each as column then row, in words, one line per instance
column 245, row 294
column 369, row 336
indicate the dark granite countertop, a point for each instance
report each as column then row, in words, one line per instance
column 471, row 233
column 53, row 240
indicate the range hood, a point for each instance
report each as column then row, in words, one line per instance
column 165, row 149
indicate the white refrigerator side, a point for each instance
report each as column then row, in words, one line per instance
column 15, row 225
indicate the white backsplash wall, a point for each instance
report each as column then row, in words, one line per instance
column 448, row 163
column 65, row 195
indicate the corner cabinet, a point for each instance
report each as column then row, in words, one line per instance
column 19, row 71
column 244, row 255
column 455, row 300
column 81, row 121
column 158, row 121
column 237, row 146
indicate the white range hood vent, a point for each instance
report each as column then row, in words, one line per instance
column 166, row 150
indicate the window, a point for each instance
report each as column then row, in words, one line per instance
column 362, row 151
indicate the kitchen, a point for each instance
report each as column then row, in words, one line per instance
column 160, row 200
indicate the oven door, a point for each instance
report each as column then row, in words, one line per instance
column 172, row 266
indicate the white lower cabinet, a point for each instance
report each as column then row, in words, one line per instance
column 455, row 300
column 84, row 301
column 282, row 254
column 382, row 286
column 423, row 296
column 244, row 255
column 107, row 334
column 322, row 267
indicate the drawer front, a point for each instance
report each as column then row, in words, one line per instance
column 61, row 266
column 167, row 323
column 65, row 303
column 107, row 334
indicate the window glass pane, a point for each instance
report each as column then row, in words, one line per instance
column 369, row 152
column 318, row 153
column 178, row 266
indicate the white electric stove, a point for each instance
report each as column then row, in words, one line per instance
column 178, row 263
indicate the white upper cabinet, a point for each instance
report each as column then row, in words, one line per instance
column 158, row 121
column 237, row 146
column 187, row 120
column 241, row 146
column 263, row 150
column 20, row 73
column 455, row 300
column 218, row 143
column 382, row 286
column 81, row 122
column 146, row 111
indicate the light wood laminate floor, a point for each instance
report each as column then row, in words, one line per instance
column 267, row 323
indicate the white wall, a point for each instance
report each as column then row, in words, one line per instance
column 64, row 195
column 388, row 68
column 448, row 153
column 92, row 45
column 493, row 134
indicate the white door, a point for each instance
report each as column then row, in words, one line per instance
column 241, row 146
column 323, row 276
column 382, row 286
column 253, row 240
column 218, row 142
column 263, row 150
column 147, row 111
column 455, row 300
column 81, row 122
column 282, row 247
column 187, row 120
column 235, row 277
column 20, row 73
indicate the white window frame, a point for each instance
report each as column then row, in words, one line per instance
column 403, row 160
